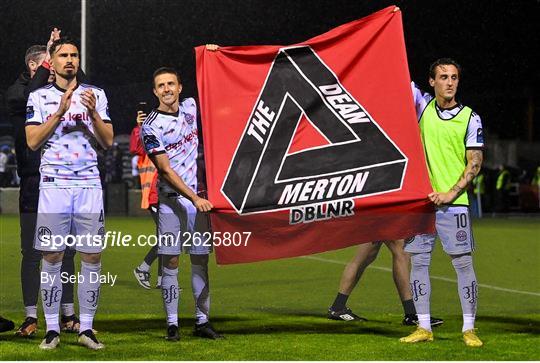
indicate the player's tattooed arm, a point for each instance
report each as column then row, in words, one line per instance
column 474, row 164
column 161, row 161
column 36, row 135
column 103, row 131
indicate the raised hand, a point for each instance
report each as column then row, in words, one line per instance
column 55, row 34
column 141, row 116
column 65, row 102
column 88, row 99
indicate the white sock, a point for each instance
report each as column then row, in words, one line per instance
column 31, row 311
column 51, row 293
column 86, row 322
column 468, row 322
column 52, row 322
column 88, row 294
column 172, row 319
column 144, row 267
column 67, row 309
column 424, row 321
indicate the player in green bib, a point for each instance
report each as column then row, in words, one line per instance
column 453, row 140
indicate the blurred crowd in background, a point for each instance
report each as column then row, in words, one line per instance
column 499, row 190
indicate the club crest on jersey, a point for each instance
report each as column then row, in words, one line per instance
column 461, row 236
column 189, row 118
column 317, row 183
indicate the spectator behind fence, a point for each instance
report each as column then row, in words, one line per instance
column 502, row 190
column 477, row 198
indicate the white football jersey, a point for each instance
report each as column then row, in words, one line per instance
column 175, row 134
column 475, row 135
column 68, row 157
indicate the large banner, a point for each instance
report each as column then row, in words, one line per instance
column 314, row 146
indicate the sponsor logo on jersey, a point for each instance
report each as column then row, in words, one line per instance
column 48, row 179
column 73, row 117
column 187, row 138
column 480, row 136
column 319, row 182
column 51, row 103
column 29, row 112
column 150, row 142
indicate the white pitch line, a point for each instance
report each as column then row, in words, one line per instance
column 441, row 278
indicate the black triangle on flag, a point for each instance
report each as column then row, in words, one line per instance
column 360, row 160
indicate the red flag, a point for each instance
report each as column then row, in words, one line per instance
column 315, row 146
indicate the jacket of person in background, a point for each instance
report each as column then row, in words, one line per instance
column 17, row 95
column 503, row 180
column 147, row 170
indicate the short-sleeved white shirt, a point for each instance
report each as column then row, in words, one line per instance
column 175, row 134
column 69, row 156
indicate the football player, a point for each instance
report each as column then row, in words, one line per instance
column 170, row 138
column 69, row 121
column 453, row 142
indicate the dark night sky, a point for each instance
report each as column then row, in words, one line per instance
column 495, row 41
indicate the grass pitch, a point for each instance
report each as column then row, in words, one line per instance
column 276, row 310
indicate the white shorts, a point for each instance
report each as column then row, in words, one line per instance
column 70, row 217
column 181, row 228
column 453, row 225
